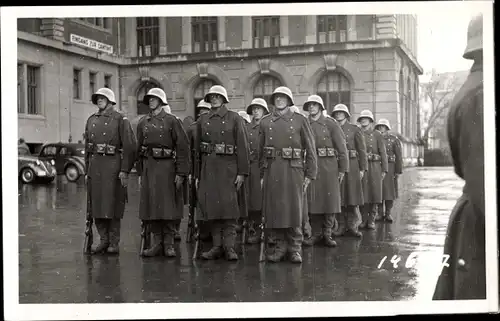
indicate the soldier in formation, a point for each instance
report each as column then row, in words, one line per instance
column 323, row 195
column 377, row 168
column 351, row 187
column 394, row 169
column 110, row 150
column 465, row 278
column 221, row 166
column 163, row 165
column 284, row 138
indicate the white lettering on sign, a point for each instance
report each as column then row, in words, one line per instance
column 92, row 44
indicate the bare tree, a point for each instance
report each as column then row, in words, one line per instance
column 438, row 94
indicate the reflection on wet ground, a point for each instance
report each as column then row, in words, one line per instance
column 54, row 270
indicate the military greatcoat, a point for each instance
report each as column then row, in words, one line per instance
column 283, row 199
column 254, row 188
column 372, row 181
column 465, row 278
column 220, row 131
column 395, row 166
column 351, row 189
column 324, row 192
column 160, row 199
column 110, row 128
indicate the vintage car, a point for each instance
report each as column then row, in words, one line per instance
column 67, row 157
column 32, row 168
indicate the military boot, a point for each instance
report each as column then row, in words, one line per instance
column 388, row 208
column 253, row 234
column 229, row 239
column 339, row 226
column 371, row 217
column 156, row 249
column 380, row 213
column 216, row 251
column 295, row 257
column 352, row 224
column 364, row 217
column 279, row 252
column 102, row 227
column 177, row 233
column 327, row 237
column 114, row 236
column 168, row 240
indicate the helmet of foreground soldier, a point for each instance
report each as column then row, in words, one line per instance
column 313, row 99
column 342, row 108
column 217, row 90
column 284, row 91
column 105, row 92
column 158, row 93
column 366, row 114
column 383, row 122
column 259, row 102
column 474, row 38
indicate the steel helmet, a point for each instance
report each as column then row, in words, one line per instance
column 313, row 99
column 474, row 37
column 155, row 92
column 366, row 114
column 105, row 92
column 285, row 91
column 343, row 108
column 244, row 115
column 217, row 90
column 203, row 104
column 260, row 103
column 383, row 122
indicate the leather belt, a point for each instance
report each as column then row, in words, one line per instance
column 103, row 149
column 157, row 152
column 218, row 149
column 286, row 153
column 327, row 152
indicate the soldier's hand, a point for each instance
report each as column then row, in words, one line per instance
column 239, row 181
column 307, row 180
column 178, row 181
column 361, row 174
column 341, row 176
column 383, row 175
column 123, row 178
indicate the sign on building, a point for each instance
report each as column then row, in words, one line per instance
column 92, row 44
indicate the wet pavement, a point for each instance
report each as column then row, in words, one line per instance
column 53, row 269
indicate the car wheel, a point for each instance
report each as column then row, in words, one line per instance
column 72, row 173
column 27, row 175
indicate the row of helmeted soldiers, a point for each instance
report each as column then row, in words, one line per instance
column 302, row 178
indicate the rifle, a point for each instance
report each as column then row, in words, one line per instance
column 89, row 235
column 244, row 231
column 262, row 240
column 192, row 208
column 145, row 237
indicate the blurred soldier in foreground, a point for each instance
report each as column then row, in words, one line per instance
column 220, row 168
column 465, row 278
column 242, row 198
column 377, row 169
column 22, row 147
column 258, row 108
column 162, row 168
column 351, row 187
column 394, row 169
column 110, row 147
column 324, row 192
column 284, row 137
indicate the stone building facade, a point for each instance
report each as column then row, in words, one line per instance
column 363, row 61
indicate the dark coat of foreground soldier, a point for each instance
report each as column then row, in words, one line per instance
column 284, row 137
column 377, row 169
column 323, row 195
column 163, row 148
column 110, row 147
column 394, row 169
column 351, row 187
column 221, row 167
column 465, row 278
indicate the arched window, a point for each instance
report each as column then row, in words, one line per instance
column 201, row 90
column 264, row 88
column 143, row 109
column 334, row 88
column 402, row 102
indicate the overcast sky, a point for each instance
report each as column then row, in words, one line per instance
column 442, row 40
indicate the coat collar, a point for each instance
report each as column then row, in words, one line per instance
column 254, row 124
column 107, row 112
column 221, row 112
column 160, row 115
column 321, row 120
column 286, row 116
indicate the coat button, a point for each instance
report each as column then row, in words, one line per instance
column 161, row 136
column 223, row 122
column 93, row 125
column 104, row 134
column 222, row 132
column 270, row 138
column 461, row 262
column 105, row 123
column 208, row 123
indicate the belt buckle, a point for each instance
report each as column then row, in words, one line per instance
column 204, row 147
column 220, row 149
column 287, row 153
column 229, row 149
column 269, row 152
column 321, row 152
column 157, row 152
column 101, row 148
column 110, row 150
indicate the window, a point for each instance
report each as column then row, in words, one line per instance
column 264, row 89
column 402, row 102
column 334, row 88
column 205, row 36
column 332, row 29
column 33, row 84
column 201, row 90
column 142, row 108
column 76, row 83
column 98, row 22
column 107, row 81
column 266, row 32
column 49, row 151
column 92, row 83
column 20, row 91
column 148, row 36
column 63, row 151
